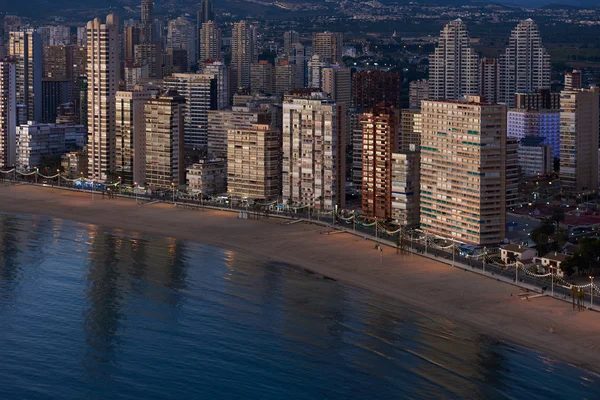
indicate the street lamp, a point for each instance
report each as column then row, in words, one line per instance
column 591, row 292
column 135, row 191
column 58, row 174
column 173, row 187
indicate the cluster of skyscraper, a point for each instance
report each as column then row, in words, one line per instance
column 264, row 131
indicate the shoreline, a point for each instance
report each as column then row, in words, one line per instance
column 491, row 307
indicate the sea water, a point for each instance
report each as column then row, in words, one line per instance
column 90, row 313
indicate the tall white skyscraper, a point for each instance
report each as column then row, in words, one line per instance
column 243, row 54
column 313, row 151
column 103, row 83
column 26, row 48
column 8, row 113
column 525, row 65
column 454, row 66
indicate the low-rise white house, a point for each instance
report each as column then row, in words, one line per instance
column 516, row 252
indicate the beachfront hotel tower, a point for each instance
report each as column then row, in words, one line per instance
column 380, row 129
column 313, row 151
column 253, row 163
column 103, row 81
column 164, row 118
column 579, row 132
column 463, row 170
column 454, row 66
column 525, row 65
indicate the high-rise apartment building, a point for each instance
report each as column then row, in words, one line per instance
column 525, row 65
column 371, row 87
column 54, row 93
column 26, row 48
column 67, row 63
column 200, row 94
column 573, row 80
column 221, row 73
column 489, row 80
column 55, row 35
column 535, row 157
column 237, row 118
column 103, row 82
column 285, row 78
column 512, row 172
column 337, row 83
column 243, row 54
column 315, row 71
column 206, row 13
column 463, row 170
column 130, row 147
column 149, row 54
column 418, row 91
column 329, row 46
column 454, row 66
column 313, row 151
column 579, row 132
column 81, row 36
column 290, row 39
column 410, row 129
column 35, row 141
column 380, row 139
column 131, row 38
column 405, row 188
column 261, row 77
column 147, row 31
column 542, row 123
column 209, row 42
column 253, row 163
column 165, row 166
column 540, row 99
column 181, row 36
column 298, row 58
column 8, row 112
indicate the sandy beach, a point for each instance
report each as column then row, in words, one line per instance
column 488, row 306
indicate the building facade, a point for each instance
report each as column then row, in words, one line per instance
column 37, row 142
column 463, row 170
column 26, row 49
column 418, row 91
column 454, row 66
column 525, row 65
column 579, row 131
column 102, row 81
column 200, row 94
column 210, row 41
column 207, row 177
column 243, row 54
column 371, row 87
column 165, row 167
column 380, row 139
column 131, row 136
column 313, row 151
column 329, row 46
column 542, row 123
column 405, row 188
column 253, row 163
column 535, row 157
column 8, row 112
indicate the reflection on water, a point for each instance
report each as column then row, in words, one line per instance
column 87, row 313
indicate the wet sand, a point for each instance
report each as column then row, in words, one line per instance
column 486, row 305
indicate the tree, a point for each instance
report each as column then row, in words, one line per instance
column 541, row 234
column 558, row 216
